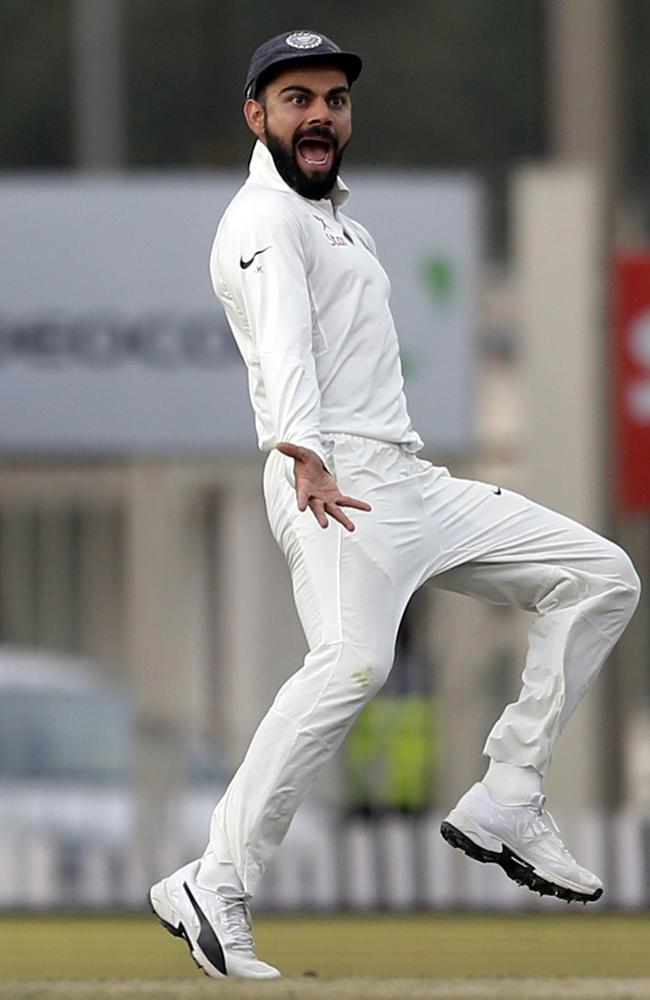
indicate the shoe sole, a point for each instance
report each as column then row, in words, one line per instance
column 180, row 932
column 517, row 869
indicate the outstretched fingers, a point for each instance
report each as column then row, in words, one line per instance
column 322, row 508
column 351, row 502
column 319, row 508
column 337, row 514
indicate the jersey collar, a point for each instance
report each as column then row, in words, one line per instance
column 262, row 170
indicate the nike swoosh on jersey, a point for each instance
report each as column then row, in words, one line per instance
column 247, row 263
column 207, row 940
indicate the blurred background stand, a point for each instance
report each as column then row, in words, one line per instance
column 99, row 86
column 508, row 147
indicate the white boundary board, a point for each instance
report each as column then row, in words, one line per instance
column 111, row 340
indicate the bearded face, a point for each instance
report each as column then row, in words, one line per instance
column 310, row 162
column 304, row 116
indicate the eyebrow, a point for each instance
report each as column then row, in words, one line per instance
column 341, row 89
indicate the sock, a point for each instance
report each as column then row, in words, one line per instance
column 212, row 874
column 511, row 784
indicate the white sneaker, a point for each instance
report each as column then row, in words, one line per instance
column 524, row 840
column 215, row 925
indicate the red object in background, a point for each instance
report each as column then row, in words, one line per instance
column 632, row 382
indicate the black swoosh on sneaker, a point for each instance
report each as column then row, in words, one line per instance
column 247, row 263
column 207, row 940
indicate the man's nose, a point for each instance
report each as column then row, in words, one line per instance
column 319, row 112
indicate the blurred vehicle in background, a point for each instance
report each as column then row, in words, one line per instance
column 67, row 754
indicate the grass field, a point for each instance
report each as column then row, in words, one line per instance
column 412, row 957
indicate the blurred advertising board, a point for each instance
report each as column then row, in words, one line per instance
column 632, row 382
column 111, row 340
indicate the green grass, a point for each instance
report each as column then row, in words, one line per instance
column 333, row 989
column 403, row 957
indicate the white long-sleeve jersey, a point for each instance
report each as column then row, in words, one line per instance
column 307, row 302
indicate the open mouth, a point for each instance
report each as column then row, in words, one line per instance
column 315, row 154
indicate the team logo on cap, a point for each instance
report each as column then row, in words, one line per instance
column 303, row 40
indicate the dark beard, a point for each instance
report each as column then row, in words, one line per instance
column 286, row 164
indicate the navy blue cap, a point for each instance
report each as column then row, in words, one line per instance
column 296, row 45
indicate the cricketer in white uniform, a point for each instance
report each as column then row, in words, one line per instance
column 308, row 304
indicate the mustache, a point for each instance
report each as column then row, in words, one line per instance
column 317, row 132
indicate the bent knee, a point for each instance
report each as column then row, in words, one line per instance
column 626, row 575
column 612, row 579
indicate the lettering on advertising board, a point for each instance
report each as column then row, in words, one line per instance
column 112, row 341
column 109, row 340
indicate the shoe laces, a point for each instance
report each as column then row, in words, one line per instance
column 236, row 916
column 544, row 822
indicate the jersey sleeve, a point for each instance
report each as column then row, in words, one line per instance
column 269, row 266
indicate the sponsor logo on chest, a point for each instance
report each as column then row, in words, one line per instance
column 333, row 238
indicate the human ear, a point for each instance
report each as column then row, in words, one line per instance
column 254, row 115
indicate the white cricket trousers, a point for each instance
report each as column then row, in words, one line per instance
column 351, row 590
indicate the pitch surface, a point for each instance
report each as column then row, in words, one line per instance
column 411, row 957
